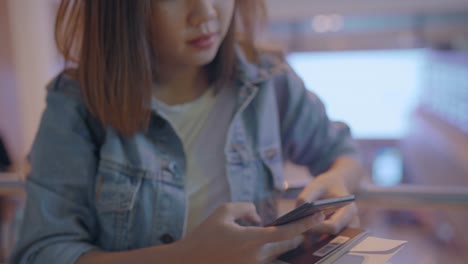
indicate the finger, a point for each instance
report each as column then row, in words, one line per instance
column 288, row 231
column 237, row 211
column 339, row 220
column 271, row 251
column 311, row 192
column 343, row 216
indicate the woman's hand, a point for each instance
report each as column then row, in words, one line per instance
column 221, row 240
column 328, row 185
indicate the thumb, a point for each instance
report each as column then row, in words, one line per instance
column 313, row 191
column 237, row 211
column 291, row 230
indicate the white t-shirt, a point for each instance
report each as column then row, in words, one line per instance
column 202, row 126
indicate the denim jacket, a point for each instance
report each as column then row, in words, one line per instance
column 91, row 188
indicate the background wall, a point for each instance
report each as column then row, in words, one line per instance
column 28, row 61
column 9, row 111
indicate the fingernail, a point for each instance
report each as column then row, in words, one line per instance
column 320, row 217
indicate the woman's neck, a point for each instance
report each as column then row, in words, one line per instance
column 181, row 85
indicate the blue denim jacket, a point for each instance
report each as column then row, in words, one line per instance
column 91, row 188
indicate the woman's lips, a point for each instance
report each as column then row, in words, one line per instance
column 204, row 42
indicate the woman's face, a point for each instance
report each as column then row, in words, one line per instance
column 189, row 32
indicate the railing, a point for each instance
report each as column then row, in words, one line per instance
column 12, row 196
column 408, row 196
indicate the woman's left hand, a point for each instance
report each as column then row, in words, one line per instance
column 328, row 185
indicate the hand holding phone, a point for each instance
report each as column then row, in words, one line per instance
column 326, row 206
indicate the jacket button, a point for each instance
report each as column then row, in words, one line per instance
column 271, row 153
column 166, row 239
column 172, row 167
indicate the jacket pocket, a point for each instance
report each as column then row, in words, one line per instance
column 115, row 197
column 270, row 184
column 272, row 159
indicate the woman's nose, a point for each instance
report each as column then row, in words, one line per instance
column 202, row 11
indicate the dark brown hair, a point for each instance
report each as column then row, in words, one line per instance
column 107, row 44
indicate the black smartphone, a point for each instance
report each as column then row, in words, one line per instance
column 327, row 206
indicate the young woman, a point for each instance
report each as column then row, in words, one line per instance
column 163, row 141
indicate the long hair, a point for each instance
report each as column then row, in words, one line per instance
column 107, row 44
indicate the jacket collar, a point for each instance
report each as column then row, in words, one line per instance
column 268, row 65
column 250, row 75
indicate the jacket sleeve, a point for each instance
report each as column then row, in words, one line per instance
column 59, row 222
column 308, row 137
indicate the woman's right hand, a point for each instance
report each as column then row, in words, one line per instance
column 219, row 239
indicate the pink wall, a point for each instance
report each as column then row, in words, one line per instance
column 9, row 112
column 28, row 62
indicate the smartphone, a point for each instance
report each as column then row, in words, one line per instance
column 327, row 206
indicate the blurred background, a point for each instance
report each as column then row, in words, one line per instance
column 395, row 71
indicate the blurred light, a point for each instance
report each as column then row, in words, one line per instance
column 444, row 231
column 321, row 23
column 327, row 23
column 387, row 169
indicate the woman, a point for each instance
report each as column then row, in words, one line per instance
column 163, row 141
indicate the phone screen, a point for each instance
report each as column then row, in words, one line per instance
column 326, row 206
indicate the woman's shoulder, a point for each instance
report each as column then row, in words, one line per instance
column 65, row 102
column 64, row 95
column 269, row 63
column 264, row 62
column 66, row 84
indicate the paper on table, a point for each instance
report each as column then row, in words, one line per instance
column 376, row 244
column 372, row 250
